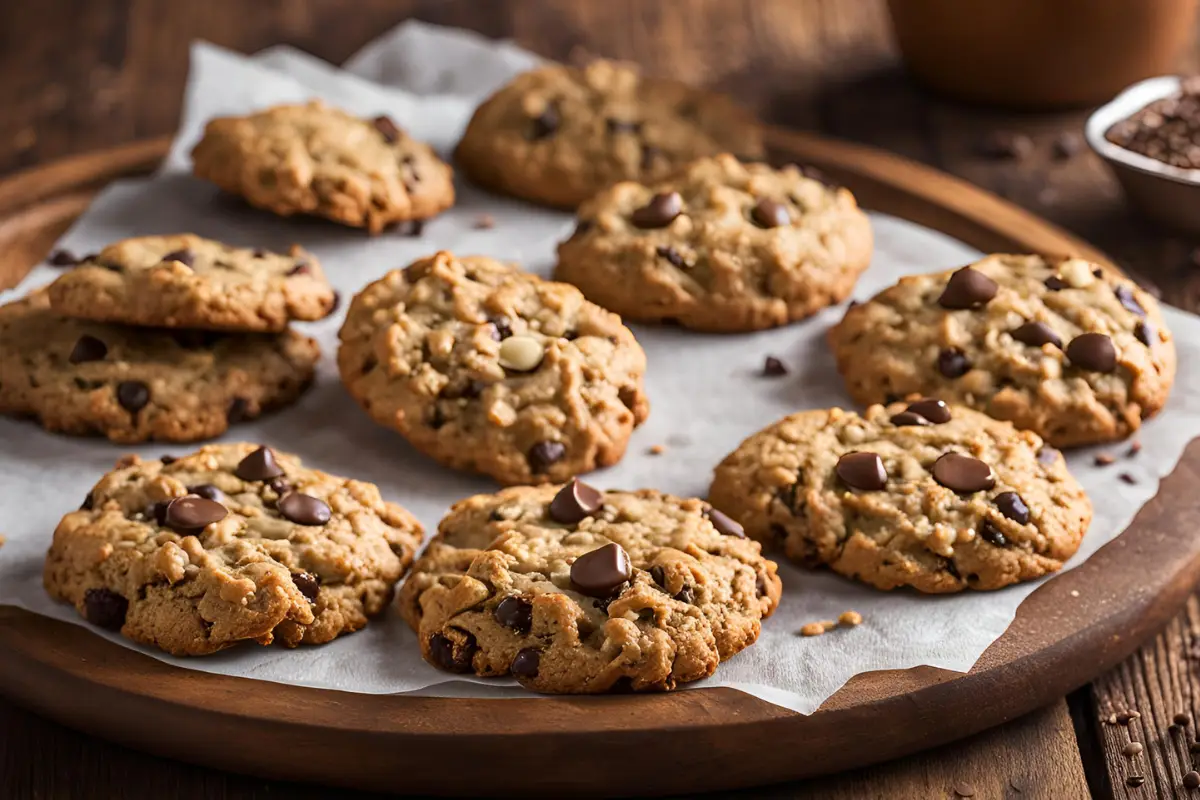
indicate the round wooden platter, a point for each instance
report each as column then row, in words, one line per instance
column 1071, row 629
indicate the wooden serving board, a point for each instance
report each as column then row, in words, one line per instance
column 1067, row 632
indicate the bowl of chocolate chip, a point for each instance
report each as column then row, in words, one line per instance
column 1149, row 135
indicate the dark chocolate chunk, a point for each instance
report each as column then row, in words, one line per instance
column 953, row 363
column 208, row 492
column 725, row 525
column 238, row 407
column 515, row 613
column 1093, row 351
column 545, row 124
column 525, row 664
column 575, row 502
column 1036, row 334
column 1055, row 283
column 1126, row 296
column 1145, row 333
column 303, row 509
column 862, row 471
column 444, row 653
column 659, row 212
column 88, row 348
column 1013, row 506
column 387, row 128
column 543, row 455
column 673, row 256
column 600, row 572
column 308, row 584
column 105, row 608
column 773, row 367
column 932, row 409
column 768, row 213
column 133, row 395
column 62, row 258
column 191, row 513
column 992, row 534
column 963, row 474
column 258, row 466
column 908, row 418
column 967, row 288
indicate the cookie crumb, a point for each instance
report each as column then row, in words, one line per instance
column 773, row 367
column 485, row 222
column 812, row 629
column 1127, row 478
column 657, row 450
column 964, row 789
column 850, row 618
column 1103, row 459
column 1134, row 449
column 1074, row 593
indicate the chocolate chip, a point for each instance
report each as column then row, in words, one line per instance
column 967, row 288
column 953, row 363
column 1036, row 334
column 1004, row 145
column 993, row 535
column 236, row 412
column 337, row 301
column 543, row 455
column 601, row 571
column 88, row 502
column 195, row 340
column 1128, row 478
column 575, row 502
column 1093, row 351
column 208, row 492
column 1047, row 455
column 658, row 575
column 133, row 395
column 62, row 258
column 686, row 595
column 623, row 126
column 526, row 663
column 258, row 466
column 387, row 128
column 673, row 256
column 1104, row 459
column 545, row 124
column 167, row 460
column 454, row 659
column 582, row 227
column 769, row 213
column 963, row 474
column 725, row 525
column 760, row 585
column 1012, row 505
column 279, row 486
column 650, row 154
column 302, row 268
column 157, row 512
column 907, row 418
column 308, row 584
column 185, row 257
column 88, row 348
column 1055, row 283
column 1145, row 333
column 105, row 608
column 659, row 212
column 932, row 409
column 773, row 367
column 862, row 471
column 303, row 509
column 501, row 328
column 515, row 613
column 190, row 513
column 1125, row 295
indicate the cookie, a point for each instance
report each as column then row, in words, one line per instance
column 232, row 543
column 184, row 281
column 721, row 246
column 1063, row 347
column 490, row 369
column 940, row 498
column 136, row 384
column 318, row 160
column 574, row 590
column 557, row 135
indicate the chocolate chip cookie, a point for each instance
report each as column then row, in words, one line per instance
column 940, row 498
column 721, row 246
column 557, row 135
column 574, row 590
column 135, row 384
column 1069, row 349
column 184, row 281
column 313, row 159
column 232, row 543
column 490, row 369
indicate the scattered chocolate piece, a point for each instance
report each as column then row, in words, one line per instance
column 673, row 256
column 992, row 535
column 88, row 348
column 185, row 257
column 280, row 486
column 308, row 584
column 545, row 454
column 1103, row 459
column 501, row 328
column 963, row 789
column 908, row 418
column 301, row 268
column 238, row 408
column 192, row 513
column 953, row 363
column 1182, row 719
column 575, row 502
column 1013, row 506
column 445, row 655
column 768, row 213
column 526, row 663
column 967, row 288
column 1134, row 449
column 337, row 301
column 208, row 492
column 1047, row 455
column 599, row 572
column 1067, row 145
column 725, row 525
column 1132, row 749
column 62, row 258
column 485, row 222
column 1144, row 331
column 864, row 471
column 1036, row 334
column 1128, row 478
column 387, row 128
column 1125, row 295
column 133, row 395
column 659, row 212
column 773, row 367
column 258, row 466
column 1093, row 351
column 304, row 509
column 515, row 613
column 167, row 460
column 105, row 608
column 963, row 474
column 932, row 409
column 545, row 124
column 1191, row 780
column 1004, row 145
column 1055, row 283
column 88, row 502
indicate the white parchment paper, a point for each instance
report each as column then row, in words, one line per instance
column 705, row 390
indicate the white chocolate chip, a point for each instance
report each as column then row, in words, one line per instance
column 1077, row 273
column 521, row 353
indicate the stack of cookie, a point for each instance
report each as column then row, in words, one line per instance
column 168, row 338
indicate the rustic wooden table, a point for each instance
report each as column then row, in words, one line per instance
column 82, row 74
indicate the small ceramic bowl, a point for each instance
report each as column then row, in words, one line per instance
column 1162, row 193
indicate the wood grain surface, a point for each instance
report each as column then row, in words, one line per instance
column 80, row 74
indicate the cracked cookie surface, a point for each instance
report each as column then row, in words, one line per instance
column 317, row 160
column 229, row 544
column 573, row 590
column 490, row 369
column 137, row 384
column 721, row 246
column 559, row 134
column 877, row 498
column 184, row 281
column 1060, row 346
